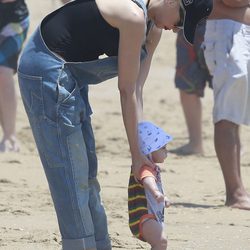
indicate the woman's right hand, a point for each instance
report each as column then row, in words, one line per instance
column 139, row 162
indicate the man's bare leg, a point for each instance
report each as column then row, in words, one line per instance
column 227, row 146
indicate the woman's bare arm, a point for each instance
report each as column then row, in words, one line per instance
column 130, row 20
column 152, row 41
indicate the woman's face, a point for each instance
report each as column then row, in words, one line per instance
column 166, row 14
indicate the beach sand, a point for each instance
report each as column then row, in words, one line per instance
column 197, row 220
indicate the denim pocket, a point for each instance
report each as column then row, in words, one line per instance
column 66, row 87
column 71, row 106
column 30, row 88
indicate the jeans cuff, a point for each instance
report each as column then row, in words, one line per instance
column 79, row 244
column 104, row 244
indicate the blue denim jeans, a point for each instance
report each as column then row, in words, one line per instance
column 55, row 96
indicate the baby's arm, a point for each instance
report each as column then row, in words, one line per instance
column 150, row 184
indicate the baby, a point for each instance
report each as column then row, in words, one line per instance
column 146, row 199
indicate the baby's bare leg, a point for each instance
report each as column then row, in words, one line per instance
column 153, row 233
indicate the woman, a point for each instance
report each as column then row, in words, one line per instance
column 14, row 22
column 58, row 63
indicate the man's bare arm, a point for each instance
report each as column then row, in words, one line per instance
column 236, row 3
column 224, row 11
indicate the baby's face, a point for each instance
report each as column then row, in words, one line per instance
column 160, row 155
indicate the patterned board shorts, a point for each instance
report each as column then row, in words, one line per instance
column 192, row 74
column 12, row 37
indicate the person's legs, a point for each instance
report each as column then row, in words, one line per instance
column 96, row 207
column 60, row 123
column 227, row 48
column 8, row 106
column 192, row 109
column 190, row 78
column 153, row 233
column 54, row 116
column 227, row 146
column 12, row 39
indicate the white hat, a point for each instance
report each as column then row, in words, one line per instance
column 151, row 137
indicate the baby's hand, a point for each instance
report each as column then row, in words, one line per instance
column 167, row 202
column 162, row 198
column 159, row 196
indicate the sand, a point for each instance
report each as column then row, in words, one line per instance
column 197, row 220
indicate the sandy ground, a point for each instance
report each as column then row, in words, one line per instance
column 197, row 219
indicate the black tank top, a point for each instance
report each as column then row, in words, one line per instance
column 78, row 32
column 12, row 12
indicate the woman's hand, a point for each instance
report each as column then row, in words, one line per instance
column 139, row 162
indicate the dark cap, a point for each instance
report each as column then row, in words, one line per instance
column 194, row 12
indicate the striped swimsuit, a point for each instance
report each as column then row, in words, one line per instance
column 142, row 205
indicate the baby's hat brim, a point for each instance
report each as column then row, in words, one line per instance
column 152, row 137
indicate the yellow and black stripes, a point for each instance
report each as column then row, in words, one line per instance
column 137, row 206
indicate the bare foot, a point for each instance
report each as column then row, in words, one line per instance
column 7, row 145
column 187, row 149
column 241, row 202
